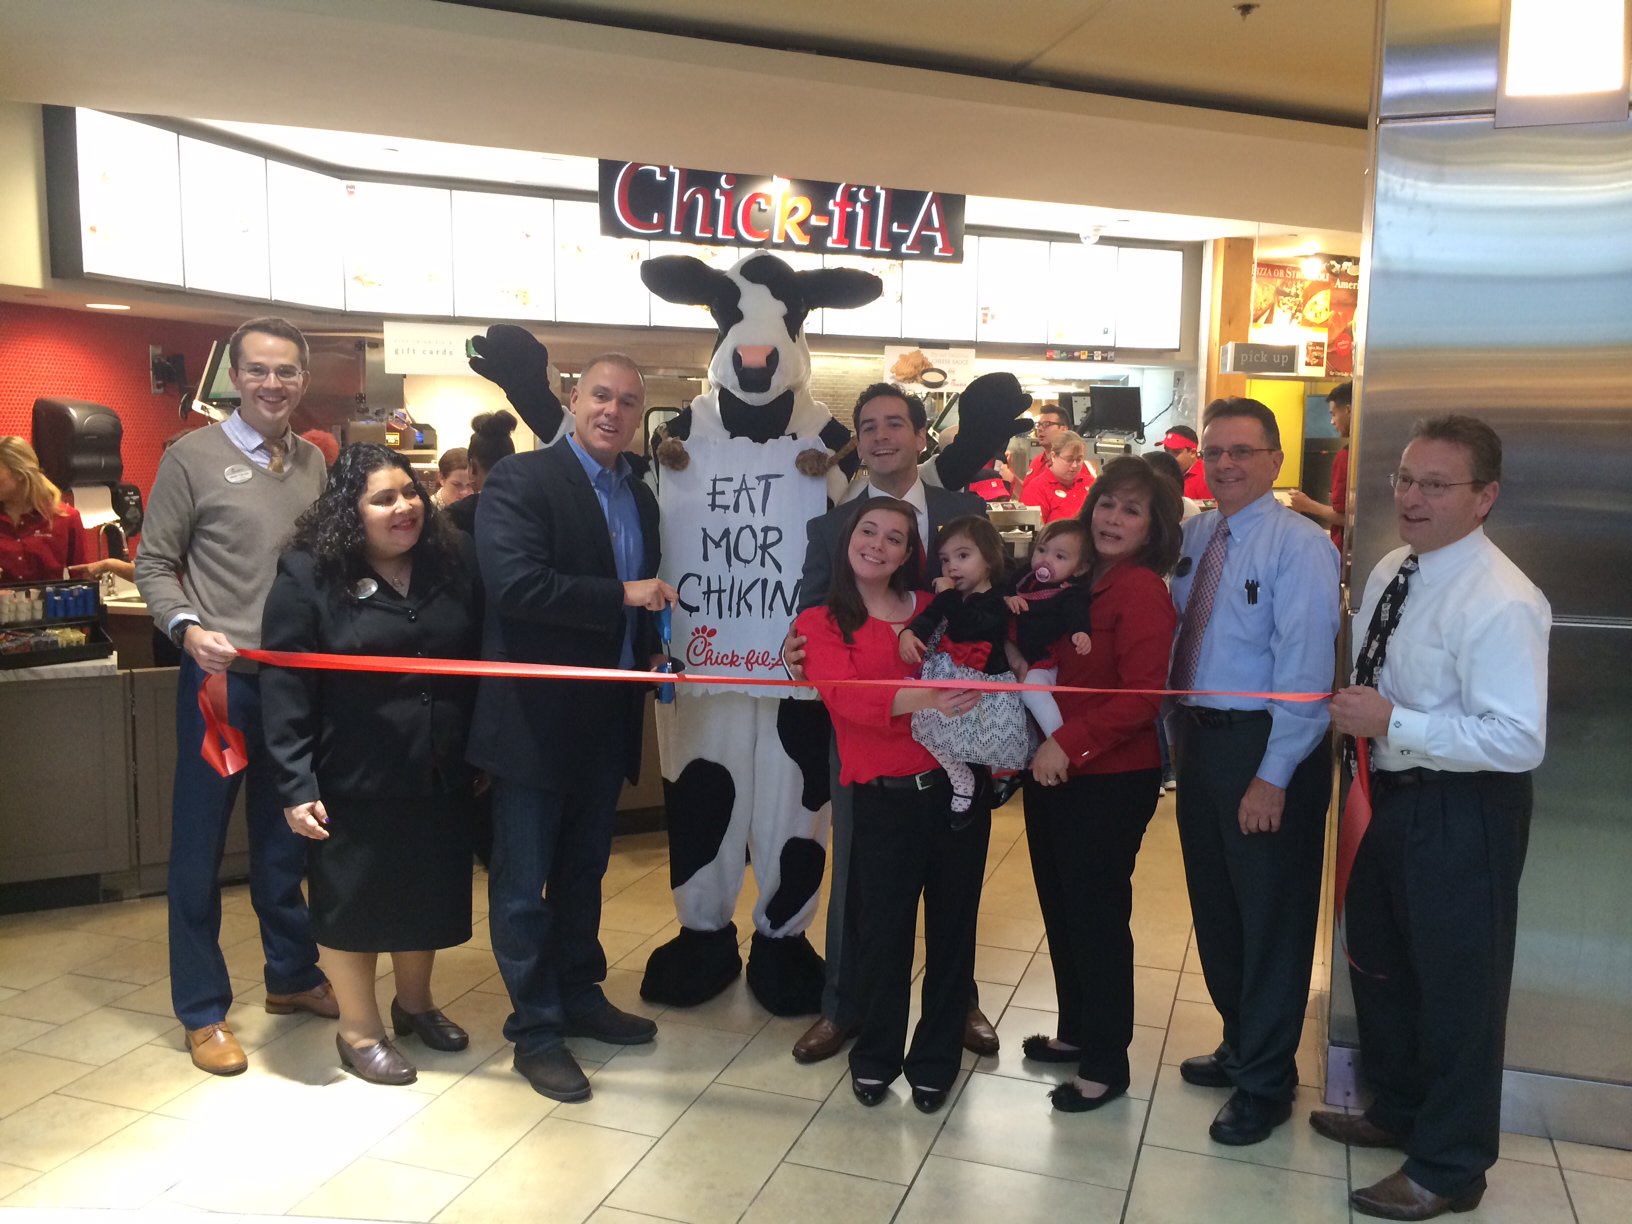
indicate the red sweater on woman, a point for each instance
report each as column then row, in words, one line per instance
column 873, row 743
column 1133, row 620
column 1055, row 499
column 34, row 549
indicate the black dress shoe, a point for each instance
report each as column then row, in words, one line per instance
column 555, row 1074
column 378, row 1064
column 979, row 1037
column 869, row 1094
column 1247, row 1119
column 1037, row 1049
column 611, row 1025
column 1068, row 1098
column 1397, row 1197
column 928, row 1100
column 431, row 1027
column 1205, row 1071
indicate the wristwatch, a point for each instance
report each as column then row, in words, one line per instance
column 178, row 632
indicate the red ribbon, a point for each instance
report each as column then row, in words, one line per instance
column 1351, row 832
column 224, row 746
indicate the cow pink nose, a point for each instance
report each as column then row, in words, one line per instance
column 754, row 356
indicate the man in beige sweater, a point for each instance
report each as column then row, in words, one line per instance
column 225, row 499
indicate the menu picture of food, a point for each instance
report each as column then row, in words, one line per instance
column 1316, row 313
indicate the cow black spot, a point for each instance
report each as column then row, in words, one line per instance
column 803, row 861
column 699, row 805
column 756, row 422
column 805, row 731
column 783, row 283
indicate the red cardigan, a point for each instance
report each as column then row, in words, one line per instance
column 1044, row 490
column 872, row 742
column 34, row 550
column 1133, row 621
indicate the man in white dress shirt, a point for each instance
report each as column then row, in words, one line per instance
column 1452, row 691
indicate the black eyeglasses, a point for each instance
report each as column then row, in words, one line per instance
column 1240, row 454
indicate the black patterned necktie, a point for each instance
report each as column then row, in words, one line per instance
column 1369, row 665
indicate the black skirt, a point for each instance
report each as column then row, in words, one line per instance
column 393, row 876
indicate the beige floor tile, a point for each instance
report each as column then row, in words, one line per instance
column 1193, row 989
column 7, row 991
column 1181, row 1187
column 994, row 998
column 55, row 1128
column 1584, row 1158
column 370, row 1189
column 1531, row 1149
column 482, row 1016
column 640, row 917
column 1180, row 1114
column 1022, row 934
column 961, row 1192
column 100, row 1036
column 141, row 964
column 618, row 944
column 799, row 1195
column 15, row 1031
column 154, row 998
column 1005, row 965
column 614, row 1215
column 245, row 956
column 1036, row 987
column 645, row 1088
column 1161, row 943
column 25, row 1078
column 64, row 998
column 124, row 1172
column 559, row 1172
column 1192, row 959
column 635, row 959
column 30, row 959
column 886, row 1142
column 1598, row 1199
column 1153, row 991
column 1010, row 1123
column 255, row 1027
column 147, row 918
column 1195, row 1029
column 708, row 1168
column 766, row 1063
column 733, row 1010
column 143, row 1079
column 14, row 1177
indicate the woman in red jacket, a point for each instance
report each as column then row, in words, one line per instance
column 40, row 534
column 1094, row 782
column 1060, row 487
column 905, row 845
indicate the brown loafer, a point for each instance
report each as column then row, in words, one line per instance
column 319, row 1000
column 216, row 1050
column 378, row 1064
column 979, row 1037
column 1397, row 1197
column 821, row 1040
column 1354, row 1130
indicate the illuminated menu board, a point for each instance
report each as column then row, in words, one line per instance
column 1082, row 294
column 399, row 249
column 305, row 217
column 1013, row 302
column 223, row 222
column 129, row 200
column 672, row 314
column 882, row 316
column 503, row 256
column 1149, row 297
column 942, row 301
column 597, row 279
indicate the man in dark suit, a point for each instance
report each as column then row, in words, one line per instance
column 890, row 435
column 568, row 547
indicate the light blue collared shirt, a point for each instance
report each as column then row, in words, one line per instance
column 1274, row 623
column 622, row 516
column 248, row 439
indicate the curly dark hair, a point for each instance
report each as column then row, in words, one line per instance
column 331, row 529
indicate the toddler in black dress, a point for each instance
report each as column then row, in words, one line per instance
column 1050, row 601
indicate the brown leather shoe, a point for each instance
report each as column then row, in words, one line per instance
column 380, row 1063
column 821, row 1040
column 319, row 1000
column 979, row 1037
column 216, row 1050
column 1355, row 1130
column 1397, row 1197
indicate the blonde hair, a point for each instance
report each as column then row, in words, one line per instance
column 18, row 458
column 1067, row 441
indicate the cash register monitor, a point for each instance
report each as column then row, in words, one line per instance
column 1113, row 410
column 216, row 397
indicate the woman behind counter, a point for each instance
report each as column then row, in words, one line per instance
column 1094, row 782
column 371, row 766
column 40, row 534
column 1061, row 485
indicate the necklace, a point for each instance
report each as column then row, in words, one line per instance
column 399, row 582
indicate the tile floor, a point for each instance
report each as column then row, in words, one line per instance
column 101, row 1111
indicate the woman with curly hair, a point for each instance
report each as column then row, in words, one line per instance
column 40, row 533
column 370, row 765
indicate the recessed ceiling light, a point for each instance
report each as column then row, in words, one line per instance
column 106, row 306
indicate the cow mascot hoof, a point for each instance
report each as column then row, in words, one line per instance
column 786, row 975
column 695, row 966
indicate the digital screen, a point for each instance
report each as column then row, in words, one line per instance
column 129, row 199
column 1113, row 410
column 399, row 249
column 1149, row 297
column 942, row 301
column 1081, row 295
column 223, row 220
column 503, row 256
column 597, row 279
column 304, row 217
column 1013, row 307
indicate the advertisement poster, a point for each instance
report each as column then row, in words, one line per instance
column 734, row 548
column 1314, row 312
column 929, row 369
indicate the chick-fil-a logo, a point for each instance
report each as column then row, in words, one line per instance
column 700, row 652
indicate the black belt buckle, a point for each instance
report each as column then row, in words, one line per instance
column 1212, row 719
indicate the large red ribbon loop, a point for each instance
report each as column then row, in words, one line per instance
column 224, row 746
column 1351, row 832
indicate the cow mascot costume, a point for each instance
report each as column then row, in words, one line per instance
column 746, row 776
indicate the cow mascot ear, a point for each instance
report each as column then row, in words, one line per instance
column 839, row 288
column 991, row 410
column 685, row 281
column 513, row 358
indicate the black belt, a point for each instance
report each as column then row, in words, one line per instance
column 912, row 782
column 1206, row 716
column 1399, row 779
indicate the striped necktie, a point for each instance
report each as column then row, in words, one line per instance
column 279, row 449
column 1198, row 609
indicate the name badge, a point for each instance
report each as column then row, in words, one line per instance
column 364, row 588
column 237, row 473
column 1184, row 566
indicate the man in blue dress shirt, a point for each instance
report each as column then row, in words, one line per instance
column 1257, row 592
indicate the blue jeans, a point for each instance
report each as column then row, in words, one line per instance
column 200, row 809
column 550, row 849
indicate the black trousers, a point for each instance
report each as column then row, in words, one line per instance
column 904, row 848
column 1255, row 899
column 1084, row 837
column 1432, row 913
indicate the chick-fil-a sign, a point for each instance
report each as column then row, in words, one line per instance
column 718, row 208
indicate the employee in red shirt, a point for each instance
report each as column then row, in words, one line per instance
column 1052, row 421
column 40, row 534
column 1340, row 407
column 905, row 846
column 1094, row 782
column 1060, row 487
column 1181, row 442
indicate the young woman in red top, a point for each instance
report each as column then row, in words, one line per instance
column 1094, row 782
column 40, row 534
column 1060, row 487
column 904, row 844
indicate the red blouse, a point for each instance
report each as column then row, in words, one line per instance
column 34, row 550
column 1044, row 490
column 1133, row 621
column 873, row 743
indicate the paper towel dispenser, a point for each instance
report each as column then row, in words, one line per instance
column 78, row 442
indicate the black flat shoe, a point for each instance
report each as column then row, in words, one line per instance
column 1037, row 1049
column 1248, row 1119
column 1205, row 1071
column 554, row 1074
column 869, row 1094
column 431, row 1027
column 611, row 1025
column 1068, row 1098
column 928, row 1100
column 378, row 1064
